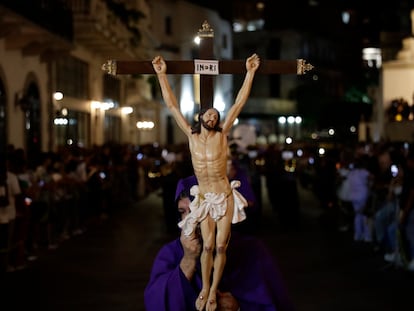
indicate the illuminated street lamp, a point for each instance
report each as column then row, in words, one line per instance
column 145, row 125
column 58, row 96
column 127, row 110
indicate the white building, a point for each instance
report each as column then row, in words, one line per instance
column 176, row 24
column 63, row 51
column 398, row 83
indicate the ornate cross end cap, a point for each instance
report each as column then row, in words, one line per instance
column 110, row 67
column 206, row 30
column 303, row 67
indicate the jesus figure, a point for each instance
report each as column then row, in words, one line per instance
column 217, row 203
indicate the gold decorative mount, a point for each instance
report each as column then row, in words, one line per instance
column 206, row 30
column 303, row 67
column 110, row 67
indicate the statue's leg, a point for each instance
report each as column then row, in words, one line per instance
column 222, row 240
column 208, row 228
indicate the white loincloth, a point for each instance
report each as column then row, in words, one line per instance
column 213, row 204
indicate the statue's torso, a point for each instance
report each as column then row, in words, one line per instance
column 209, row 158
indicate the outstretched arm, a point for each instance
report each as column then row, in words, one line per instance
column 252, row 63
column 160, row 68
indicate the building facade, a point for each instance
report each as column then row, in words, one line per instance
column 53, row 91
column 396, row 108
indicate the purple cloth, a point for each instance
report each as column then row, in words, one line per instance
column 185, row 184
column 245, row 186
column 250, row 274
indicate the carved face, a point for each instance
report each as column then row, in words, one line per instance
column 209, row 119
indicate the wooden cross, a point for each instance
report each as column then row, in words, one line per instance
column 206, row 34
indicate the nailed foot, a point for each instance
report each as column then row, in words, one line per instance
column 201, row 300
column 212, row 301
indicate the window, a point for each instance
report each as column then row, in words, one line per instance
column 112, row 89
column 112, row 128
column 72, row 77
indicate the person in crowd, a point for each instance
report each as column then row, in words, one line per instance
column 381, row 207
column 324, row 186
column 10, row 189
column 386, row 217
column 273, row 170
column 95, row 192
column 360, row 190
column 19, row 166
column 407, row 209
column 168, row 180
column 251, row 279
column 345, row 208
column 218, row 200
column 400, row 226
column 39, row 194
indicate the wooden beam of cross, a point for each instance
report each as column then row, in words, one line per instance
column 206, row 34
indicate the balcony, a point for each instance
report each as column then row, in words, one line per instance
column 37, row 28
column 100, row 28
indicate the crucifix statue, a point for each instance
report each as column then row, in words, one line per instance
column 206, row 34
column 217, row 203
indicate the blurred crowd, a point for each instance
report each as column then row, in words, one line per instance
column 366, row 190
column 48, row 199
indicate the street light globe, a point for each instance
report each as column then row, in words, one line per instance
column 291, row 119
column 127, row 110
column 58, row 95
